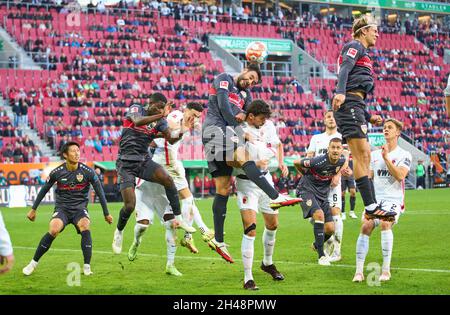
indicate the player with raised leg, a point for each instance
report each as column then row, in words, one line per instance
column 72, row 197
column 141, row 126
column 355, row 81
column 389, row 167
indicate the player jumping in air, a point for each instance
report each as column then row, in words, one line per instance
column 72, row 197
column 355, row 81
column 314, row 189
column 224, row 141
column 389, row 167
column 251, row 198
column 141, row 126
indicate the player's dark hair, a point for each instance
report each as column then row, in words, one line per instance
column 66, row 146
column 259, row 107
column 195, row 106
column 255, row 67
column 157, row 97
column 336, row 140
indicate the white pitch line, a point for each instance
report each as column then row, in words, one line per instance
column 220, row 259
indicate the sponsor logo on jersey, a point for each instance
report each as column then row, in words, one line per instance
column 244, row 199
column 134, row 109
column 383, row 173
column 352, row 52
column 309, row 202
column 224, row 85
column 80, row 177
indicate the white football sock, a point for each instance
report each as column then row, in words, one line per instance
column 362, row 247
column 186, row 210
column 171, row 242
column 268, row 239
column 387, row 242
column 139, row 230
column 339, row 231
column 198, row 218
column 247, row 250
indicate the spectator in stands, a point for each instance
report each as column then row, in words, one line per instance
column 197, row 186
column 9, row 132
column 420, row 175
column 16, row 113
column 3, row 180
column 51, row 137
column 18, row 153
column 98, row 144
column 99, row 173
column 8, row 153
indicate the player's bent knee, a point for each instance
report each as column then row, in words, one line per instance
column 250, row 230
column 368, row 227
column 335, row 211
column 385, row 225
column 272, row 226
column 319, row 215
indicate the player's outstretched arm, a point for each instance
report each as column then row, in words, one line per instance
column 145, row 120
column 98, row 188
column 44, row 190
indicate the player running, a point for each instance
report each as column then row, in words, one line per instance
column 141, row 126
column 72, row 197
column 389, row 167
column 348, row 183
column 355, row 81
column 251, row 198
column 224, row 141
column 314, row 189
column 318, row 146
column 166, row 154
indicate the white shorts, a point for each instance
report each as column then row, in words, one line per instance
column 391, row 207
column 150, row 199
column 177, row 172
column 335, row 197
column 251, row 197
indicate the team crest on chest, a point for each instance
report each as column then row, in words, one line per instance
column 309, row 202
column 244, row 199
column 364, row 129
column 80, row 177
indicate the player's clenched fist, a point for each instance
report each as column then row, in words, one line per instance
column 109, row 219
column 338, row 100
column 31, row 215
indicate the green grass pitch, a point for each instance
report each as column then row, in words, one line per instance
column 420, row 260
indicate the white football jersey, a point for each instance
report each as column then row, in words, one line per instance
column 447, row 89
column 387, row 188
column 266, row 141
column 319, row 143
column 166, row 153
column 5, row 241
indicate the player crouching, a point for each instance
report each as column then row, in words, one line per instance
column 265, row 144
column 389, row 167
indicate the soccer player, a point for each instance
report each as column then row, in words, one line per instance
column 72, row 197
column 223, row 138
column 251, row 198
column 348, row 183
column 141, row 126
column 355, row 81
column 151, row 199
column 314, row 188
column 389, row 167
column 6, row 250
column 166, row 154
column 318, row 146
column 447, row 95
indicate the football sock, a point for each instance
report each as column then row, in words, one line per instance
column 43, row 246
column 86, row 246
column 172, row 195
column 343, row 203
column 338, row 227
column 352, row 203
column 255, row 175
column 367, row 194
column 268, row 239
column 171, row 242
column 319, row 236
column 247, row 250
column 198, row 219
column 186, row 210
column 362, row 247
column 139, row 230
column 387, row 242
column 123, row 219
column 219, row 213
